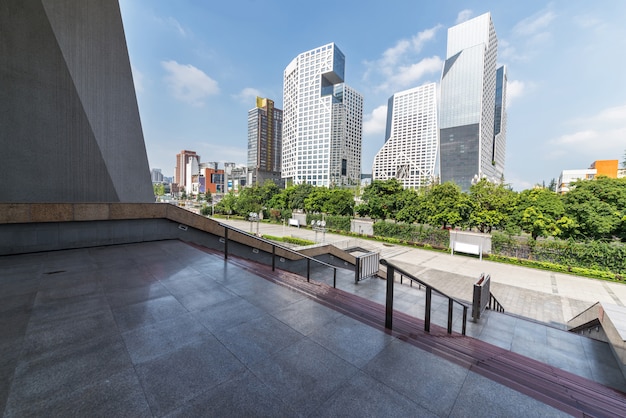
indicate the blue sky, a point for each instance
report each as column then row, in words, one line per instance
column 198, row 67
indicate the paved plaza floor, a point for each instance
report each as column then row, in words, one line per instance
column 165, row 329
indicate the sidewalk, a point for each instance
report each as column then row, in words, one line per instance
column 543, row 296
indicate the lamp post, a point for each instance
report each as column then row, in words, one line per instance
column 319, row 226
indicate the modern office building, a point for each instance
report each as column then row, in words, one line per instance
column 411, row 139
column 182, row 160
column 472, row 117
column 156, row 175
column 265, row 133
column 322, row 121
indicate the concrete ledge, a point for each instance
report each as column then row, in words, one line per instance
column 51, row 212
column 91, row 212
column 14, row 213
column 612, row 319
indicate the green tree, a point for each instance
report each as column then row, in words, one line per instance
column 340, row 202
column 597, row 208
column 410, row 204
column 159, row 189
column 492, row 205
column 539, row 211
column 296, row 195
column 227, row 204
column 444, row 205
column 380, row 199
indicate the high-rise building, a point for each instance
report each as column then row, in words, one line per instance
column 322, row 121
column 265, row 133
column 180, row 172
column 156, row 175
column 411, row 140
column 472, row 117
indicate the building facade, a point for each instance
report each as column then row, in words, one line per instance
column 180, row 171
column 607, row 168
column 473, row 113
column 322, row 121
column 265, row 132
column 70, row 127
column 411, row 139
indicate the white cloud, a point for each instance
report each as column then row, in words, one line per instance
column 399, row 66
column 409, row 75
column 463, row 16
column 530, row 35
column 248, row 95
column 170, row 23
column 188, row 83
column 534, row 24
column 375, row 122
column 601, row 136
column 514, row 89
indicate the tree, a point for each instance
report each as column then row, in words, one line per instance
column 380, row 199
column 552, row 185
column 339, row 202
column 159, row 189
column 492, row 205
column 445, row 205
column 296, row 195
column 539, row 212
column 598, row 208
column 227, row 204
column 410, row 204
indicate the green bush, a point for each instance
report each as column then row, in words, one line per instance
column 290, row 240
column 412, row 233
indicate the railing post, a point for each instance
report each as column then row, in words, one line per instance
column 308, row 269
column 389, row 298
column 450, row 311
column 273, row 257
column 357, row 268
column 464, row 319
column 335, row 277
column 429, row 296
column 225, row 243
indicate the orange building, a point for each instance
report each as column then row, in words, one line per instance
column 606, row 168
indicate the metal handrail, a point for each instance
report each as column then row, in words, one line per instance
column 274, row 246
column 391, row 269
column 494, row 305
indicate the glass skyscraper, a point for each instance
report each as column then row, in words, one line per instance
column 410, row 150
column 473, row 114
column 265, row 131
column 322, row 121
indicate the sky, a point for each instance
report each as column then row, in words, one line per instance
column 199, row 65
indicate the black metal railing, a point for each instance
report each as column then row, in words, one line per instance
column 494, row 305
column 274, row 247
column 391, row 270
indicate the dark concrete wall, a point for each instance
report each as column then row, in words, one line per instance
column 69, row 122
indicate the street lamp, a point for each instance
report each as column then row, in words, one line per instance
column 254, row 217
column 319, row 226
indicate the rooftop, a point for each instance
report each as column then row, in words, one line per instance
column 166, row 328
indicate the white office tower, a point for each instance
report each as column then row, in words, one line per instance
column 411, row 139
column 322, row 121
column 469, row 149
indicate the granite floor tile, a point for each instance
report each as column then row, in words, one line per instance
column 147, row 312
column 173, row 379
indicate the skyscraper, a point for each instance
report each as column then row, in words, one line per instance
column 322, row 121
column 470, row 114
column 410, row 150
column 182, row 159
column 265, row 133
